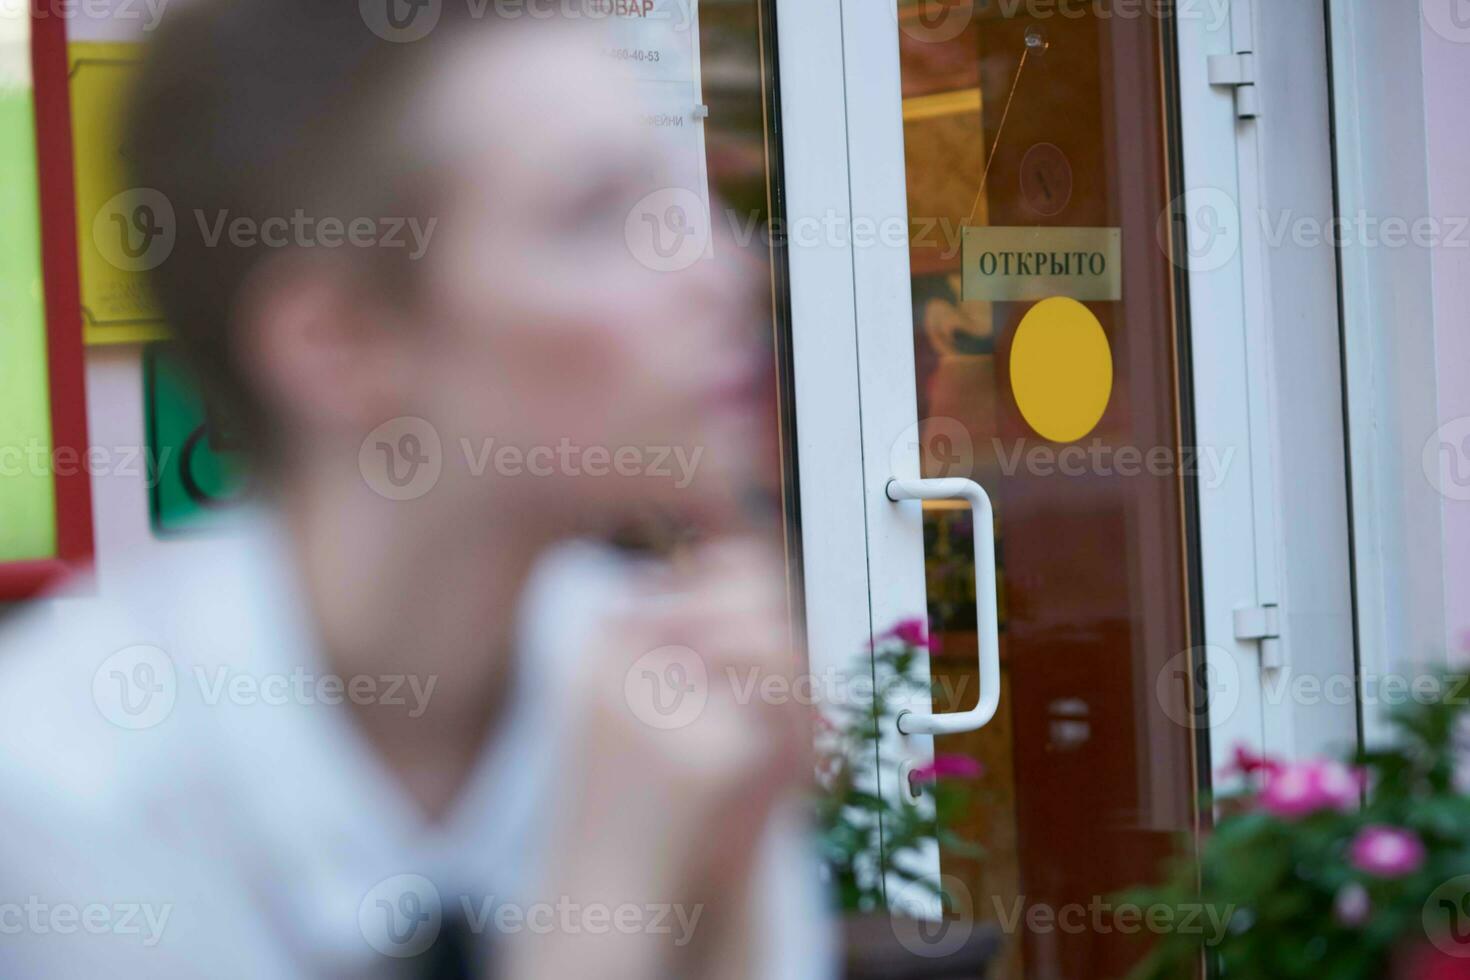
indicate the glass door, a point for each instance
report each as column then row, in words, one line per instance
column 1051, row 345
column 1047, row 369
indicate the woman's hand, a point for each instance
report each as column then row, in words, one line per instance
column 690, row 734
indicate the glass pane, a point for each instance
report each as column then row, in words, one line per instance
column 1048, row 135
column 738, row 61
column 740, row 172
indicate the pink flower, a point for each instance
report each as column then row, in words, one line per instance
column 912, row 632
column 1386, row 852
column 1299, row 789
column 1352, row 906
column 1246, row 763
column 948, row 767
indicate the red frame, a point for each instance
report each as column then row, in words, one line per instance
column 64, row 349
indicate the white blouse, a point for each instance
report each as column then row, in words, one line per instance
column 182, row 795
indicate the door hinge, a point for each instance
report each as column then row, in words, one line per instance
column 1262, row 624
column 1238, row 71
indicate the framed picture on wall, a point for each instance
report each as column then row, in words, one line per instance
column 45, row 489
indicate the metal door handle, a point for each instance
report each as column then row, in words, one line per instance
column 987, row 626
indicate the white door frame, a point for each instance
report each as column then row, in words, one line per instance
column 823, row 334
column 1267, row 374
column 837, row 288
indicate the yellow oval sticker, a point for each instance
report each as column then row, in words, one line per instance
column 1061, row 369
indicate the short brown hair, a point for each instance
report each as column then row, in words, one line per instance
column 261, row 109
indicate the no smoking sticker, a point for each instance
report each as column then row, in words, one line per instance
column 1046, row 179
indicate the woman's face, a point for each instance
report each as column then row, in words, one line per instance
column 557, row 359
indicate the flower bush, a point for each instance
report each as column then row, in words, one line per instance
column 1331, row 869
column 865, row 838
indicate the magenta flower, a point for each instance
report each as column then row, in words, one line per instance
column 1299, row 789
column 1386, row 852
column 912, row 632
column 948, row 767
column 1244, row 762
column 1352, row 907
